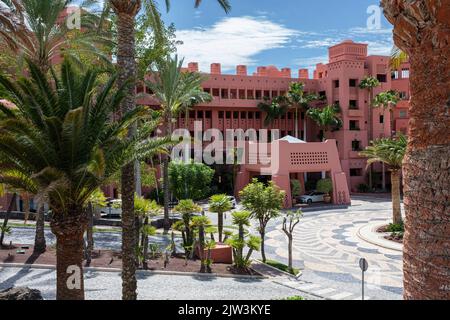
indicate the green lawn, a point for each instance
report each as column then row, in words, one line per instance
column 282, row 267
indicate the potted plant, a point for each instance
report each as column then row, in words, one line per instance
column 325, row 186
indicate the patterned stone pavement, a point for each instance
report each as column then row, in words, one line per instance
column 327, row 249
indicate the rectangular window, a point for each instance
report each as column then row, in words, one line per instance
column 228, row 114
column 224, row 94
column 192, row 114
column 302, row 116
column 216, row 92
column 381, row 119
column 382, row 78
column 356, row 145
column 208, row 114
column 322, row 94
column 403, row 95
column 250, row 115
column 336, row 83
column 356, row 172
column 354, row 125
column 208, row 90
column 394, row 75
column 199, row 114
column 220, row 114
column 233, row 94
column 352, row 83
column 243, row 115
column 235, row 115
column 289, row 115
column 250, row 95
column 353, row 104
column 257, row 115
column 405, row 73
column 258, row 94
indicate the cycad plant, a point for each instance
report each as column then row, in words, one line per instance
column 200, row 223
column 391, row 152
column 242, row 239
column 220, row 203
column 64, row 139
column 187, row 208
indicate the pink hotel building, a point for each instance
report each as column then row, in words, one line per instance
column 236, row 97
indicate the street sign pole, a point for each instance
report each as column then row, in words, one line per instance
column 364, row 266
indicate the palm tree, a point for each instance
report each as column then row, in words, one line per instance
column 369, row 83
column 126, row 12
column 391, row 152
column 421, row 31
column 273, row 109
column 96, row 200
column 398, row 57
column 32, row 29
column 200, row 223
column 299, row 100
column 198, row 96
column 174, row 89
column 63, row 135
column 327, row 119
column 387, row 101
column 220, row 203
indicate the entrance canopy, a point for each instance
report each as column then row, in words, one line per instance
column 289, row 155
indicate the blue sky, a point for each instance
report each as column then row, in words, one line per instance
column 285, row 33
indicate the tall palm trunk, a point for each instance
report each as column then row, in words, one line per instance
column 39, row 238
column 262, row 233
column 421, row 29
column 126, row 13
column 5, row 221
column 26, row 207
column 370, row 134
column 69, row 228
column 296, row 123
column 396, row 209
column 168, row 124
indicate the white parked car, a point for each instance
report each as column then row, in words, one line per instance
column 312, row 197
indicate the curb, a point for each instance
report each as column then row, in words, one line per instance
column 375, row 243
column 150, row 272
column 284, row 272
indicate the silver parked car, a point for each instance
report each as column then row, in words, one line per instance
column 312, row 197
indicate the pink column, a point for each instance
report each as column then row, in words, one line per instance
column 283, row 182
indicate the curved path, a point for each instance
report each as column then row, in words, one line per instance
column 328, row 249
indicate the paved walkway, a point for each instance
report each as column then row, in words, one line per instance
column 327, row 249
column 108, row 286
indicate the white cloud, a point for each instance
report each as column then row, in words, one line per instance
column 232, row 41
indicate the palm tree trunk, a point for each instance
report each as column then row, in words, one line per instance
column 421, row 30
column 39, row 238
column 26, row 207
column 383, row 167
column 90, row 234
column 296, row 123
column 69, row 233
column 396, row 209
column 201, row 240
column 126, row 12
column 220, row 224
column 369, row 134
column 305, row 135
column 167, row 122
column 5, row 221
